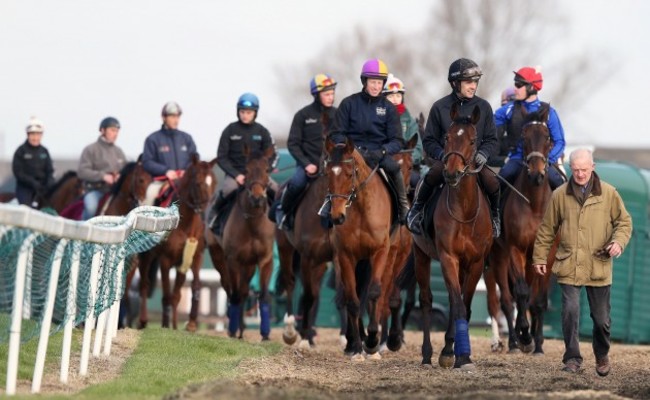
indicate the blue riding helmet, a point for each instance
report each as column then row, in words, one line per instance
column 109, row 122
column 248, row 101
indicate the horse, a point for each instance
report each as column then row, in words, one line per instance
column 462, row 236
column 247, row 242
column 510, row 260
column 63, row 193
column 183, row 247
column 361, row 232
column 129, row 191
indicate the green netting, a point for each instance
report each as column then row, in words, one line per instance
column 43, row 250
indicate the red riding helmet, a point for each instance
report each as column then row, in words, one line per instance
column 530, row 76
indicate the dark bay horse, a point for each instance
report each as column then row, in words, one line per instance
column 362, row 221
column 462, row 236
column 247, row 242
column 184, row 246
column 511, row 255
column 63, row 193
column 129, row 191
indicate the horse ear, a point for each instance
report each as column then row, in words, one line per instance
column 213, row 162
column 139, row 161
column 453, row 113
column 412, row 142
column 195, row 158
column 329, row 145
column 269, row 152
column 544, row 111
column 421, row 124
column 476, row 115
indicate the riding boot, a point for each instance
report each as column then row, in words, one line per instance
column 414, row 217
column 289, row 197
column 216, row 208
column 403, row 204
column 493, row 198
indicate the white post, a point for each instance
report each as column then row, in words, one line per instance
column 70, row 312
column 17, row 314
column 90, row 320
column 47, row 317
column 111, row 327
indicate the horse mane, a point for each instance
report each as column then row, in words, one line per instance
column 337, row 153
column 126, row 170
column 68, row 175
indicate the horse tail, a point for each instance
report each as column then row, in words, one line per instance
column 406, row 277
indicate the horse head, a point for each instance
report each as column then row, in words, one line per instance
column 460, row 145
column 405, row 158
column 341, row 168
column 257, row 175
column 537, row 143
column 132, row 183
column 198, row 184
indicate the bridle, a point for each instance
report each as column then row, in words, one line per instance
column 249, row 191
column 539, row 154
column 464, row 172
column 193, row 198
column 355, row 189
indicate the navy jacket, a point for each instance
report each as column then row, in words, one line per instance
column 305, row 141
column 32, row 167
column 230, row 155
column 371, row 122
column 439, row 122
column 167, row 149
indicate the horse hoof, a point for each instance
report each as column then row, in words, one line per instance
column 497, row 347
column 370, row 350
column 265, row 339
column 527, row 348
column 374, row 357
column 142, row 324
column 394, row 343
column 304, row 345
column 538, row 354
column 191, row 326
column 514, row 350
column 343, row 341
column 446, row 361
column 288, row 338
column 357, row 358
column 467, row 367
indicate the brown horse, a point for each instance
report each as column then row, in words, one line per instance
column 308, row 247
column 63, row 193
column 511, row 255
column 184, row 246
column 462, row 235
column 360, row 204
column 247, row 242
column 129, row 191
column 400, row 247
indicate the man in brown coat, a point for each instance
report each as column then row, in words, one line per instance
column 594, row 227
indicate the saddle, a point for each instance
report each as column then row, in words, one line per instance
column 289, row 217
column 165, row 195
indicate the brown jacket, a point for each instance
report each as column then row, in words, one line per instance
column 583, row 230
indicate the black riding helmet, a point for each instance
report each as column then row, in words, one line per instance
column 463, row 69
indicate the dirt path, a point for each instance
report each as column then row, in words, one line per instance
column 324, row 373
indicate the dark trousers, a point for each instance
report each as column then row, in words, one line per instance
column 25, row 195
column 599, row 307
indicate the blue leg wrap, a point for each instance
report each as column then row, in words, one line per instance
column 233, row 318
column 462, row 346
column 265, row 316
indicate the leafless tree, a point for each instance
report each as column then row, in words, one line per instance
column 500, row 35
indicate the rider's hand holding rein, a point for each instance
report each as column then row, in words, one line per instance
column 241, row 179
column 540, row 269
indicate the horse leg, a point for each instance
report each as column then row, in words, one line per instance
column 469, row 288
column 493, row 307
column 380, row 265
column 348, row 279
column 306, row 301
column 126, row 319
column 145, row 260
column 266, row 268
column 538, row 305
column 501, row 268
column 339, row 300
column 287, row 258
column 192, row 324
column 409, row 302
column 423, row 277
column 175, row 296
column 317, row 273
column 166, row 292
column 235, row 308
column 457, row 347
column 522, row 298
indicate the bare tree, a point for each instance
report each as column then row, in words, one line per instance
column 500, row 35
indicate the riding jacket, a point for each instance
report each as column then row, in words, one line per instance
column 305, row 141
column 510, row 118
column 230, row 155
column 32, row 167
column 439, row 122
column 98, row 159
column 371, row 122
column 167, row 149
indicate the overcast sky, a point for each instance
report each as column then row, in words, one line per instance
column 71, row 63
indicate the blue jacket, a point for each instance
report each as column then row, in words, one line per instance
column 371, row 122
column 167, row 149
column 504, row 114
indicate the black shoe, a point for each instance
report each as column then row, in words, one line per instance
column 414, row 218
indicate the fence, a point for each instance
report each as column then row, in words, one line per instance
column 56, row 274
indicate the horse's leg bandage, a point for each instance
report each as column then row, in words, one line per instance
column 188, row 254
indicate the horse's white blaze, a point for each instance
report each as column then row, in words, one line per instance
column 337, row 170
column 460, row 132
column 208, row 180
column 400, row 162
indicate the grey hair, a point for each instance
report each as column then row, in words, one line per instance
column 581, row 153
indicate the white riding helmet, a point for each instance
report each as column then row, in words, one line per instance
column 393, row 85
column 35, row 125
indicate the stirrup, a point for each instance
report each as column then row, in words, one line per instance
column 496, row 228
column 414, row 222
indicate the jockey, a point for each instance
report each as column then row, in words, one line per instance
column 394, row 91
column 372, row 122
column 464, row 75
column 32, row 167
column 230, row 154
column 100, row 165
column 528, row 82
column 305, row 141
column 168, row 151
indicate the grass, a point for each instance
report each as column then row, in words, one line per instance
column 163, row 362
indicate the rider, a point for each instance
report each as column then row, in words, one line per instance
column 230, row 154
column 464, row 75
column 32, row 167
column 168, row 151
column 305, row 141
column 507, row 96
column 100, row 165
column 394, row 91
column 528, row 82
column 372, row 122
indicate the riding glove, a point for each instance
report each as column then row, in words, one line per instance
column 373, row 157
column 480, row 159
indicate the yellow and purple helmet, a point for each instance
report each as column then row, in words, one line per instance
column 374, row 69
column 393, row 85
column 320, row 83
